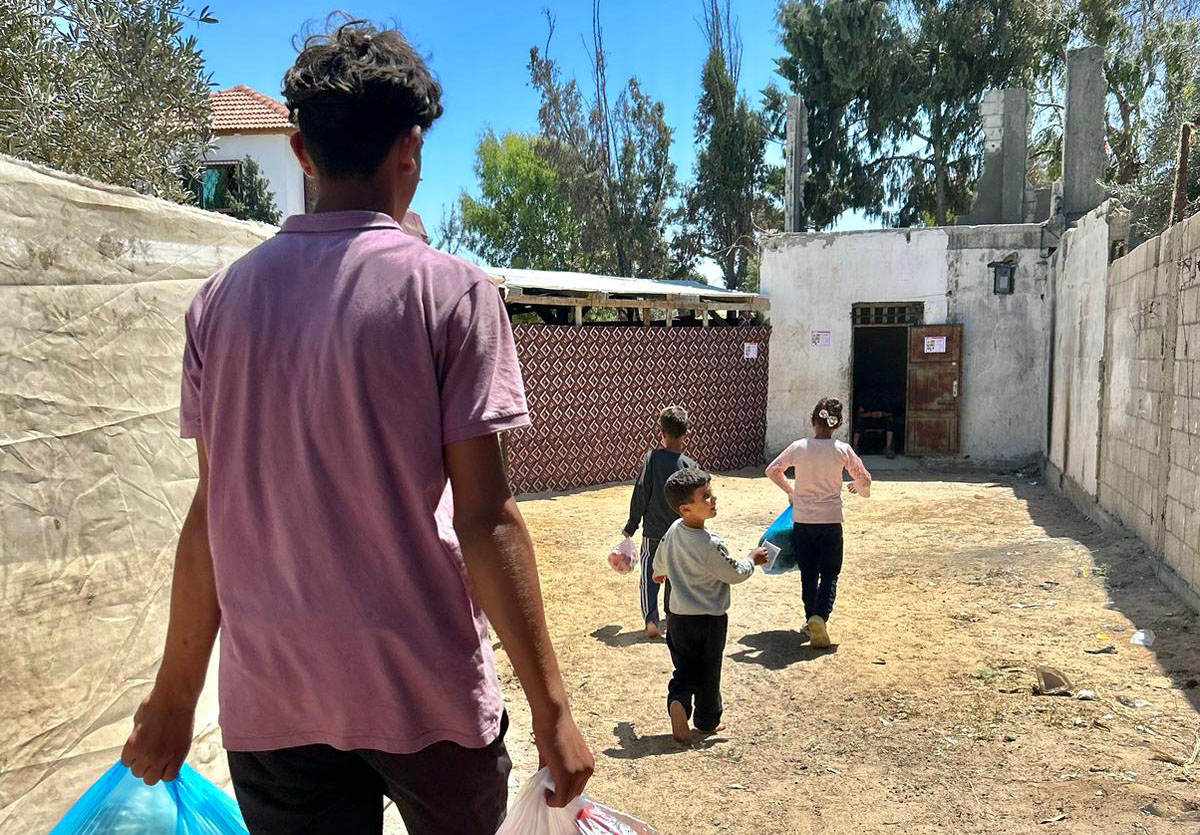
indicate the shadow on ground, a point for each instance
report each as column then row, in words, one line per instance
column 634, row 747
column 612, row 636
column 1126, row 569
column 778, row 649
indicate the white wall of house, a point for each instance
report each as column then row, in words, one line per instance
column 814, row 280
column 273, row 153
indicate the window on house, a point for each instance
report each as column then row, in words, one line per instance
column 888, row 314
column 218, row 181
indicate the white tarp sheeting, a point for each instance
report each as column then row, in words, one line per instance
column 94, row 480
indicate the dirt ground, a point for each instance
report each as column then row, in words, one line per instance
column 922, row 717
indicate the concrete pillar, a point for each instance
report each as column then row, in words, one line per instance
column 1015, row 150
column 1000, row 192
column 1084, row 160
column 795, row 153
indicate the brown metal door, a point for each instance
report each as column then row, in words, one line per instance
column 934, row 380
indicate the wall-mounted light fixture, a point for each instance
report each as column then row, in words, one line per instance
column 1004, row 276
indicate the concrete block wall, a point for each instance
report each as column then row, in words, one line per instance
column 1180, row 537
column 1136, row 336
column 1149, row 434
column 991, row 114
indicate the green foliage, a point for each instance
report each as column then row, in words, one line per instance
column 612, row 160
column 729, row 192
column 893, row 90
column 522, row 217
column 254, row 199
column 109, row 89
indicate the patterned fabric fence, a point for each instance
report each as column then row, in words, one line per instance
column 595, row 393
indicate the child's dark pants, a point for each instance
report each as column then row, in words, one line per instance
column 819, row 554
column 649, row 588
column 697, row 644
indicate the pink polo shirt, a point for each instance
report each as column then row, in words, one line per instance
column 325, row 371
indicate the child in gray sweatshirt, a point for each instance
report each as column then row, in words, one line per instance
column 700, row 571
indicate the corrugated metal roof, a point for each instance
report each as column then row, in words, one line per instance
column 241, row 109
column 571, row 283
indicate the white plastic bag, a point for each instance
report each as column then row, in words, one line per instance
column 623, row 557
column 529, row 815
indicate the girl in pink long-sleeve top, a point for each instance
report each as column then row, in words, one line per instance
column 816, row 497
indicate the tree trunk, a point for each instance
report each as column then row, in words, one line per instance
column 1179, row 203
column 939, row 169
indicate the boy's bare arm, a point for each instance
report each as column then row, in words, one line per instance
column 162, row 726
column 499, row 557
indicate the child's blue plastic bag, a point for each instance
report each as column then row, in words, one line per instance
column 780, row 535
column 121, row 804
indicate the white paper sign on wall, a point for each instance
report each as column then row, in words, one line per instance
column 750, row 350
column 821, row 339
column 935, row 344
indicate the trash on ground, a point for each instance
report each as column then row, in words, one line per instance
column 1052, row 682
column 1086, row 695
column 1108, row 650
column 1143, row 638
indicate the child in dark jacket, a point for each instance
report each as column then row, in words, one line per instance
column 650, row 509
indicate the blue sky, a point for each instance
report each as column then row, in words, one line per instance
column 479, row 51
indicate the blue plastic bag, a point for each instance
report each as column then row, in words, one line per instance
column 121, row 804
column 780, row 535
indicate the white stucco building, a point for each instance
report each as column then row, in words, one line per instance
column 851, row 313
column 249, row 124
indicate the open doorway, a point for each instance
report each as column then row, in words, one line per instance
column 880, row 368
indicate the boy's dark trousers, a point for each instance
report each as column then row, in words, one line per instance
column 444, row 789
column 819, row 555
column 697, row 644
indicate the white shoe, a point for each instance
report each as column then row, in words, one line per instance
column 817, row 632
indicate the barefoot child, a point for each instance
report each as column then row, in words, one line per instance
column 649, row 507
column 816, row 498
column 700, row 570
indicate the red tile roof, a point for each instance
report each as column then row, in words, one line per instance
column 241, row 109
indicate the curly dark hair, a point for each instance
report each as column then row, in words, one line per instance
column 353, row 91
column 833, row 411
column 683, row 484
column 674, row 421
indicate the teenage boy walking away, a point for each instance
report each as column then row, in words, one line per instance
column 649, row 508
column 816, row 498
column 335, row 378
column 701, row 571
